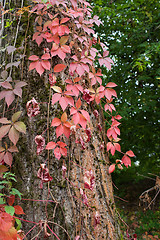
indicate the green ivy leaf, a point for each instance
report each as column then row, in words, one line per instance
column 8, row 174
column 12, row 178
column 19, row 224
column 4, row 182
column 16, row 116
column 2, row 200
column 15, row 191
column 20, row 127
column 10, row 210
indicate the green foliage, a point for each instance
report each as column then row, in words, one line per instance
column 144, row 224
column 8, row 23
column 148, row 222
column 14, row 191
column 10, row 210
column 19, row 224
column 6, row 185
column 132, row 32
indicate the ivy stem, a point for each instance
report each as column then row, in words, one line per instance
column 29, row 231
column 53, row 232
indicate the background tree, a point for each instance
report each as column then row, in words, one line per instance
column 131, row 30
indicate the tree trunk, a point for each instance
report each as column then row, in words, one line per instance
column 66, row 212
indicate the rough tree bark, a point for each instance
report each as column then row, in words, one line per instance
column 67, row 212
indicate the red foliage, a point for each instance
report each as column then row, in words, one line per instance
column 32, row 108
column 18, row 210
column 10, row 92
column 43, row 174
column 63, row 126
column 111, row 168
column 73, row 87
column 57, row 27
column 89, row 180
column 52, row 79
column 11, row 200
column 40, row 64
column 64, row 99
column 59, row 150
column 7, row 231
column 40, row 141
column 79, row 118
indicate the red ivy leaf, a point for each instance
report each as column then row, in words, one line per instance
column 111, row 168
column 39, row 68
column 32, row 65
column 63, row 151
column 8, row 158
column 126, row 161
column 46, row 56
column 4, row 130
column 86, row 115
column 13, row 149
column 46, row 65
column 59, row 67
column 118, row 117
column 111, row 147
column 64, row 20
column 62, row 144
column 55, row 122
column 130, row 154
column 59, row 130
column 3, row 169
column 13, row 135
column 111, row 84
column 33, row 58
column 18, row 92
column 4, row 121
column 78, row 103
column 11, row 200
column 63, row 102
column 51, row 145
column 9, row 97
column 6, row 85
column 117, row 147
column 18, row 209
column 55, row 98
column 57, row 153
column 5, row 222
